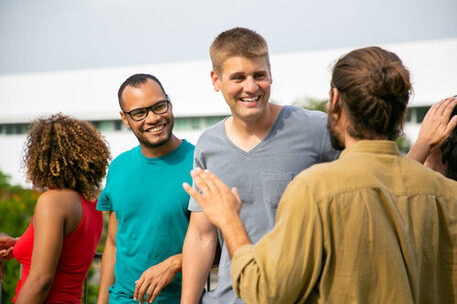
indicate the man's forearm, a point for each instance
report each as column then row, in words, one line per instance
column 106, row 273
column 420, row 151
column 198, row 256
column 235, row 235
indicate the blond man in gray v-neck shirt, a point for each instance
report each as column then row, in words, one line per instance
column 258, row 150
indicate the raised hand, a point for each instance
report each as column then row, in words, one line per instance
column 218, row 201
column 436, row 127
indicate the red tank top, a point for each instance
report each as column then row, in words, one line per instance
column 78, row 250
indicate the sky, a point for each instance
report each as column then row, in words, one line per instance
column 53, row 35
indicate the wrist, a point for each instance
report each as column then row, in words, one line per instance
column 424, row 145
column 176, row 263
column 235, row 235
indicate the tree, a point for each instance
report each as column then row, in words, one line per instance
column 311, row 103
column 403, row 143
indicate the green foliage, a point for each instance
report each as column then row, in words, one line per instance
column 16, row 210
column 403, row 144
column 311, row 103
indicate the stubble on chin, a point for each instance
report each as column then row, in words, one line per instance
column 157, row 144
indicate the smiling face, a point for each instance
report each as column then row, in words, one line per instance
column 155, row 130
column 245, row 84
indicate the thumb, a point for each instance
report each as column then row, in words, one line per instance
column 236, row 194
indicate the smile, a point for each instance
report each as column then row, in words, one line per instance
column 156, row 129
column 250, row 99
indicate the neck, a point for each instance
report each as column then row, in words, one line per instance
column 164, row 149
column 258, row 127
column 247, row 134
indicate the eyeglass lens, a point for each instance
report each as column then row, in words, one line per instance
column 158, row 108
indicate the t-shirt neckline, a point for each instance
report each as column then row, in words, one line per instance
column 261, row 143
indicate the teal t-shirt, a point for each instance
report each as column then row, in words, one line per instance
column 150, row 204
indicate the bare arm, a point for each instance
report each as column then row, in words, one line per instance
column 222, row 206
column 53, row 217
column 435, row 129
column 198, row 255
column 108, row 261
column 258, row 272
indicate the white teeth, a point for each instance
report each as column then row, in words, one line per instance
column 252, row 99
column 157, row 128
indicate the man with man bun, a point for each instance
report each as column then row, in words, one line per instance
column 370, row 227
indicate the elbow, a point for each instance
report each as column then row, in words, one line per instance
column 41, row 284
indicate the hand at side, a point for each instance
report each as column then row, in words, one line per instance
column 155, row 278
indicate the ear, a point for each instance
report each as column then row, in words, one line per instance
column 334, row 100
column 124, row 119
column 170, row 105
column 215, row 80
column 334, row 105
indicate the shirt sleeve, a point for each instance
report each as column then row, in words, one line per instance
column 104, row 202
column 285, row 265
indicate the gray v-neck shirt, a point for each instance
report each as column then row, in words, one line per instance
column 297, row 140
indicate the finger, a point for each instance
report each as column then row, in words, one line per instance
column 150, row 295
column 450, row 104
column 138, row 284
column 236, row 194
column 442, row 106
column 238, row 199
column 214, row 181
column 199, row 181
column 451, row 125
column 193, row 193
column 141, row 292
column 9, row 253
column 3, row 254
column 211, row 181
column 154, row 294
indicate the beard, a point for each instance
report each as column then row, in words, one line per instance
column 146, row 142
column 335, row 141
column 156, row 144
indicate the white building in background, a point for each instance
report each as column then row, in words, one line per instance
column 92, row 94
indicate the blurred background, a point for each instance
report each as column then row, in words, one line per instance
column 72, row 56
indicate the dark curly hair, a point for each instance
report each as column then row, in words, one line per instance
column 449, row 152
column 62, row 152
column 374, row 87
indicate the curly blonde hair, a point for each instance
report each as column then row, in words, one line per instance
column 65, row 153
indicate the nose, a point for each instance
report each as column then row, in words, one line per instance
column 151, row 118
column 251, row 85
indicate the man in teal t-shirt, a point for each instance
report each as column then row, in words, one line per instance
column 148, row 207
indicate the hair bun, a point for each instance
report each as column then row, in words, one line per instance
column 387, row 82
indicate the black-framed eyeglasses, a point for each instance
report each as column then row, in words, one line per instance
column 158, row 108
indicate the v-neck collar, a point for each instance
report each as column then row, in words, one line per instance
column 260, row 144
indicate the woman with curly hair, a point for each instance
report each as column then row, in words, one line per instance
column 66, row 159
